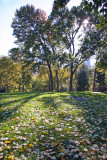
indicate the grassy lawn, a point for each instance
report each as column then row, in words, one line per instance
column 53, row 126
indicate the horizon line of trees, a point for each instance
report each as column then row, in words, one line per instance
column 17, row 78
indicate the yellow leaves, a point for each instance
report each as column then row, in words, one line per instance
column 105, row 139
column 2, row 109
column 10, row 158
column 81, row 141
column 13, row 139
column 7, row 142
column 22, row 148
column 61, row 113
column 58, row 156
column 61, row 150
column 31, row 145
column 33, row 118
column 5, row 147
column 46, row 133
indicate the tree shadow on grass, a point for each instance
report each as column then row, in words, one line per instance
column 93, row 109
column 6, row 111
column 81, row 127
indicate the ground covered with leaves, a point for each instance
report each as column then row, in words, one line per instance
column 53, row 126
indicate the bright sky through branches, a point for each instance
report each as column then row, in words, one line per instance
column 7, row 13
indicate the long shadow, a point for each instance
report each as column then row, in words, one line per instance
column 90, row 106
column 94, row 110
column 88, row 102
column 90, row 120
column 8, row 113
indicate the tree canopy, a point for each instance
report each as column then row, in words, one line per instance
column 60, row 41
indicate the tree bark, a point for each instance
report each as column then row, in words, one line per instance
column 51, row 78
column 7, row 89
column 57, row 80
column 23, row 88
column 49, row 84
column 19, row 88
column 71, row 79
column 94, row 80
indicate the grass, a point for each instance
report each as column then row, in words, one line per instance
column 53, row 126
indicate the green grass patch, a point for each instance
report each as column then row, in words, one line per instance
column 57, row 126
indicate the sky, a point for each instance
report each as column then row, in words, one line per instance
column 7, row 13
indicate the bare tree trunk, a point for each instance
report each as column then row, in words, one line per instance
column 94, row 85
column 7, row 88
column 19, row 88
column 51, row 78
column 49, row 84
column 23, row 88
column 57, row 80
column 71, row 79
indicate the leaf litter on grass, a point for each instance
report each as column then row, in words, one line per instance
column 53, row 126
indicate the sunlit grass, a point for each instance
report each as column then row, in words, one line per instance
column 66, row 125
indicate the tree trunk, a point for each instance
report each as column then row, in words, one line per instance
column 23, row 88
column 51, row 78
column 71, row 79
column 49, row 84
column 19, row 88
column 7, row 89
column 94, row 80
column 57, row 80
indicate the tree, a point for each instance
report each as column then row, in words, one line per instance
column 70, row 24
column 101, row 52
column 98, row 7
column 83, row 78
column 100, row 78
column 17, row 55
column 44, row 78
column 31, row 30
column 98, row 37
column 9, row 73
column 102, row 62
column 57, row 4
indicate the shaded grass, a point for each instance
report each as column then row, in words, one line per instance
column 66, row 125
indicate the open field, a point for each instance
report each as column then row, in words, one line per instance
column 53, row 126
